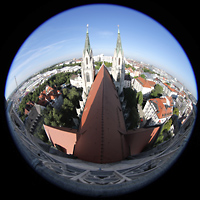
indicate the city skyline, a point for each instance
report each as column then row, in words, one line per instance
column 59, row 39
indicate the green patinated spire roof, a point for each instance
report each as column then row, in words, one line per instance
column 119, row 43
column 87, row 42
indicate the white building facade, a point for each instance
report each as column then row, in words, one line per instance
column 87, row 68
column 144, row 86
column 158, row 110
column 101, row 58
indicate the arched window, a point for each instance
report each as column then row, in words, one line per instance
column 118, row 77
column 86, row 61
column 119, row 61
column 87, row 77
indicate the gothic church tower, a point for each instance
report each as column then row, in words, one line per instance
column 118, row 65
column 87, row 67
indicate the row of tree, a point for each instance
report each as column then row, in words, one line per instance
column 109, row 64
column 99, row 63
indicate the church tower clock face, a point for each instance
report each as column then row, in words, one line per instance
column 101, row 100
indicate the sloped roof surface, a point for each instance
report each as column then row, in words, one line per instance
column 102, row 124
column 64, row 137
column 171, row 89
column 162, row 110
column 47, row 95
column 145, row 83
column 140, row 138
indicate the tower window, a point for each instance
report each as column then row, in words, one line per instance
column 86, row 61
column 119, row 61
column 87, row 77
column 118, row 77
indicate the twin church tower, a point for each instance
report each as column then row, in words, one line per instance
column 88, row 69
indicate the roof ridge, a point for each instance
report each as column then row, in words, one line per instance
column 102, row 118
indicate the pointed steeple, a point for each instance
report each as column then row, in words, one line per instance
column 119, row 44
column 87, row 42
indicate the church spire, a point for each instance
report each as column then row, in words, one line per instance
column 119, row 44
column 87, row 42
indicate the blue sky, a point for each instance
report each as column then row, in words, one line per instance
column 62, row 37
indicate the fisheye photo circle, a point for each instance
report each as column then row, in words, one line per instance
column 99, row 103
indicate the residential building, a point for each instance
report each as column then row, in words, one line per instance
column 158, row 110
column 145, row 86
column 132, row 72
column 167, row 90
column 28, row 107
column 101, row 58
column 184, row 105
column 52, row 96
column 76, row 80
column 50, row 73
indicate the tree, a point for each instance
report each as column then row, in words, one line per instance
column 157, row 91
column 130, row 97
column 167, row 126
column 67, row 104
column 74, row 96
column 46, row 121
column 42, row 135
column 139, row 97
column 176, row 111
column 98, row 64
column 143, row 76
column 57, row 116
column 53, row 123
column 133, row 118
column 65, row 92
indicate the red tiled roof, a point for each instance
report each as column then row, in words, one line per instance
column 145, row 83
column 171, row 89
column 47, row 95
column 130, row 69
column 28, row 107
column 162, row 110
column 102, row 124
